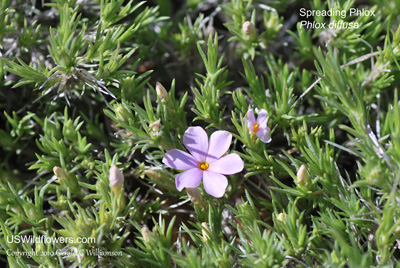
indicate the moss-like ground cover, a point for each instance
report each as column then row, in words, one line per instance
column 231, row 133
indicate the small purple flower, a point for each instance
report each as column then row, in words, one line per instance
column 205, row 161
column 259, row 126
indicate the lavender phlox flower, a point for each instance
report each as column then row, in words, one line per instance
column 259, row 126
column 205, row 161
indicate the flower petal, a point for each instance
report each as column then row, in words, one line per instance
column 227, row 165
column 190, row 178
column 214, row 183
column 251, row 120
column 196, row 141
column 219, row 144
column 262, row 116
column 179, row 160
column 264, row 134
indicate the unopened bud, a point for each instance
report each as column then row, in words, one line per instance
column 60, row 173
column 280, row 217
column 154, row 175
column 145, row 233
column 203, row 231
column 122, row 115
column 302, row 175
column 155, row 129
column 248, row 28
column 161, row 92
column 303, row 180
column 116, row 180
column 62, row 202
column 65, row 180
column 195, row 196
column 129, row 88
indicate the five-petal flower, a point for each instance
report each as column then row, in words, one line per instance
column 205, row 161
column 259, row 126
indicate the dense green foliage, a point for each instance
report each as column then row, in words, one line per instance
column 86, row 85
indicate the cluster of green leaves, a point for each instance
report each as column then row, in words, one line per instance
column 251, row 39
column 324, row 192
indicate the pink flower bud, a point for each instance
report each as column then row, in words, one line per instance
column 302, row 175
column 116, row 177
column 145, row 233
column 248, row 28
column 303, row 180
column 161, row 92
column 195, row 196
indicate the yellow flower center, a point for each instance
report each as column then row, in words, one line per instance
column 203, row 166
column 256, row 127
